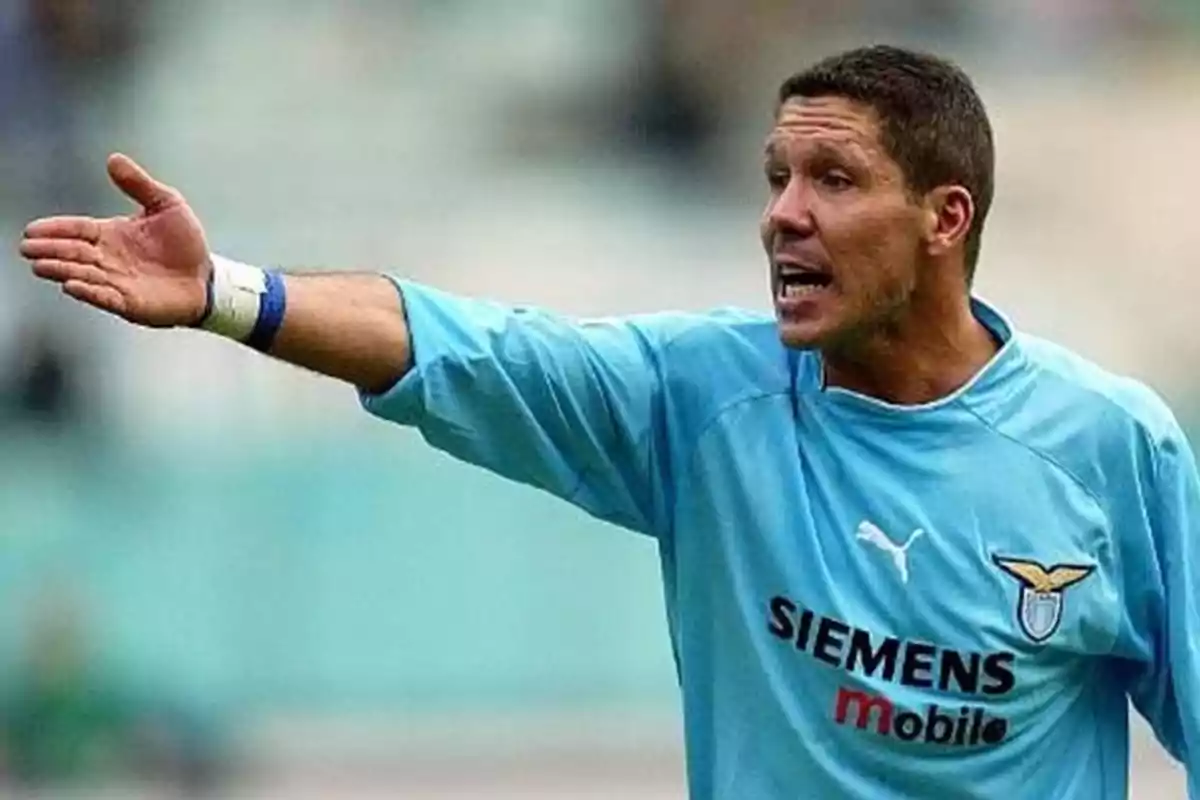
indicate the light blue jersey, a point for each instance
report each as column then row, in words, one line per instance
column 865, row 601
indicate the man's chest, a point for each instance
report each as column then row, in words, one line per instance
column 932, row 595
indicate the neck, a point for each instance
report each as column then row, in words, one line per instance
column 931, row 350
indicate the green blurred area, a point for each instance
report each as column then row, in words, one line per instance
column 337, row 576
column 155, row 606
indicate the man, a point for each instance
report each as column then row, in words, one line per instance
column 906, row 549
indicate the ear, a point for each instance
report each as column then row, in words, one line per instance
column 949, row 212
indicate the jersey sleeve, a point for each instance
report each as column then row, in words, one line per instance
column 1167, row 692
column 568, row 407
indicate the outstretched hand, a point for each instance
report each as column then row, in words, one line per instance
column 149, row 268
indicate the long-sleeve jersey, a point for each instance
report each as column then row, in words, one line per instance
column 865, row 600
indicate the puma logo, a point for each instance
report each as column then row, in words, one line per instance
column 869, row 532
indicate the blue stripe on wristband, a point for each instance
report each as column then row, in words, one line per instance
column 270, row 313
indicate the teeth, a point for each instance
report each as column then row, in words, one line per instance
column 800, row 289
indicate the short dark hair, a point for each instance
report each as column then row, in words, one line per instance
column 932, row 121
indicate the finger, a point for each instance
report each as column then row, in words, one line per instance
column 105, row 298
column 63, row 271
column 85, row 228
column 138, row 185
column 61, row 250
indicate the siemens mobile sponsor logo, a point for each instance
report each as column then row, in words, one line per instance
column 907, row 663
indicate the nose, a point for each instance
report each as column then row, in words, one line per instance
column 790, row 212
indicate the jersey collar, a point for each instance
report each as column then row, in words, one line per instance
column 996, row 374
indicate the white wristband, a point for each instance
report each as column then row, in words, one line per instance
column 237, row 294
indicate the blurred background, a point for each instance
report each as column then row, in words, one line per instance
column 218, row 577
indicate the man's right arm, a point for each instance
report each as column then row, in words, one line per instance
column 571, row 408
column 574, row 409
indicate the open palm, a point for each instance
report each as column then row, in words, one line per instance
column 149, row 268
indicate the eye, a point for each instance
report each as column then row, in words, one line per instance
column 836, row 179
column 778, row 178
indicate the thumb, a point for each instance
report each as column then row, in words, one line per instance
column 137, row 184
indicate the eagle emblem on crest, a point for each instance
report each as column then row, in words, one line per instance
column 1041, row 599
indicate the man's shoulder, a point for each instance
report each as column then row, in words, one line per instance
column 1114, row 403
column 683, row 332
column 714, row 358
column 728, row 342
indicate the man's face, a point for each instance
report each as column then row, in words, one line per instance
column 840, row 229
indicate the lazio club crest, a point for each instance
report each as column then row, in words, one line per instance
column 1040, row 603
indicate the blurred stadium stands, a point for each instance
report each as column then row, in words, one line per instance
column 217, row 574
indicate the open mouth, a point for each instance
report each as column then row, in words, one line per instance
column 796, row 283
